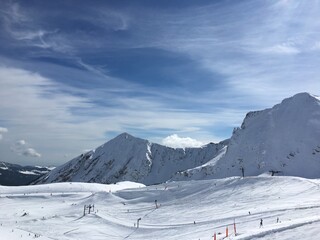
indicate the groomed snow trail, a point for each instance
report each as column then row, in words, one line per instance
column 186, row 210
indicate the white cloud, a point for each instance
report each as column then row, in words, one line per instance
column 20, row 142
column 20, row 147
column 34, row 104
column 30, row 152
column 2, row 130
column 30, row 98
column 181, row 142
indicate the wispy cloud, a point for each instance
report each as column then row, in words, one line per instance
column 281, row 49
column 111, row 19
column 216, row 62
column 240, row 47
column 24, row 26
column 34, row 104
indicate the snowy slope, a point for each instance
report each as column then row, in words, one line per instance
column 133, row 159
column 186, row 210
column 284, row 139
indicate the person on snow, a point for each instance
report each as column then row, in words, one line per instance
column 261, row 222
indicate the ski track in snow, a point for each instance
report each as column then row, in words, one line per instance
column 55, row 211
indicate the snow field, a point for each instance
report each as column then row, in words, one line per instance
column 186, row 210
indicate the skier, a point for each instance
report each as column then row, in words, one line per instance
column 277, row 219
column 242, row 171
column 261, row 222
column 90, row 208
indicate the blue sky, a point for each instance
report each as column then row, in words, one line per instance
column 75, row 74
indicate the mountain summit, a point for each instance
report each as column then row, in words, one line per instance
column 133, row 159
column 281, row 140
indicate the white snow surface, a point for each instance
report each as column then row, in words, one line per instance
column 284, row 139
column 28, row 172
column 186, row 210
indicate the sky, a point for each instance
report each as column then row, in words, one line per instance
column 75, row 74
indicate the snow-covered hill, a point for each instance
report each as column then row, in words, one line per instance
column 284, row 140
column 188, row 210
column 16, row 175
column 126, row 158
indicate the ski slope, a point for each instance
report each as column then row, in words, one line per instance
column 186, row 210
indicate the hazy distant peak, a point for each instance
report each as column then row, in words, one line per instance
column 301, row 98
column 124, row 135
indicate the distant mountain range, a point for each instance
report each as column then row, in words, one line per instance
column 16, row 175
column 281, row 140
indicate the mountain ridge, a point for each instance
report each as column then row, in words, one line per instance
column 284, row 139
column 127, row 158
column 17, row 175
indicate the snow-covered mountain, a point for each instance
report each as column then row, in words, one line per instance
column 16, row 175
column 126, row 158
column 281, row 140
